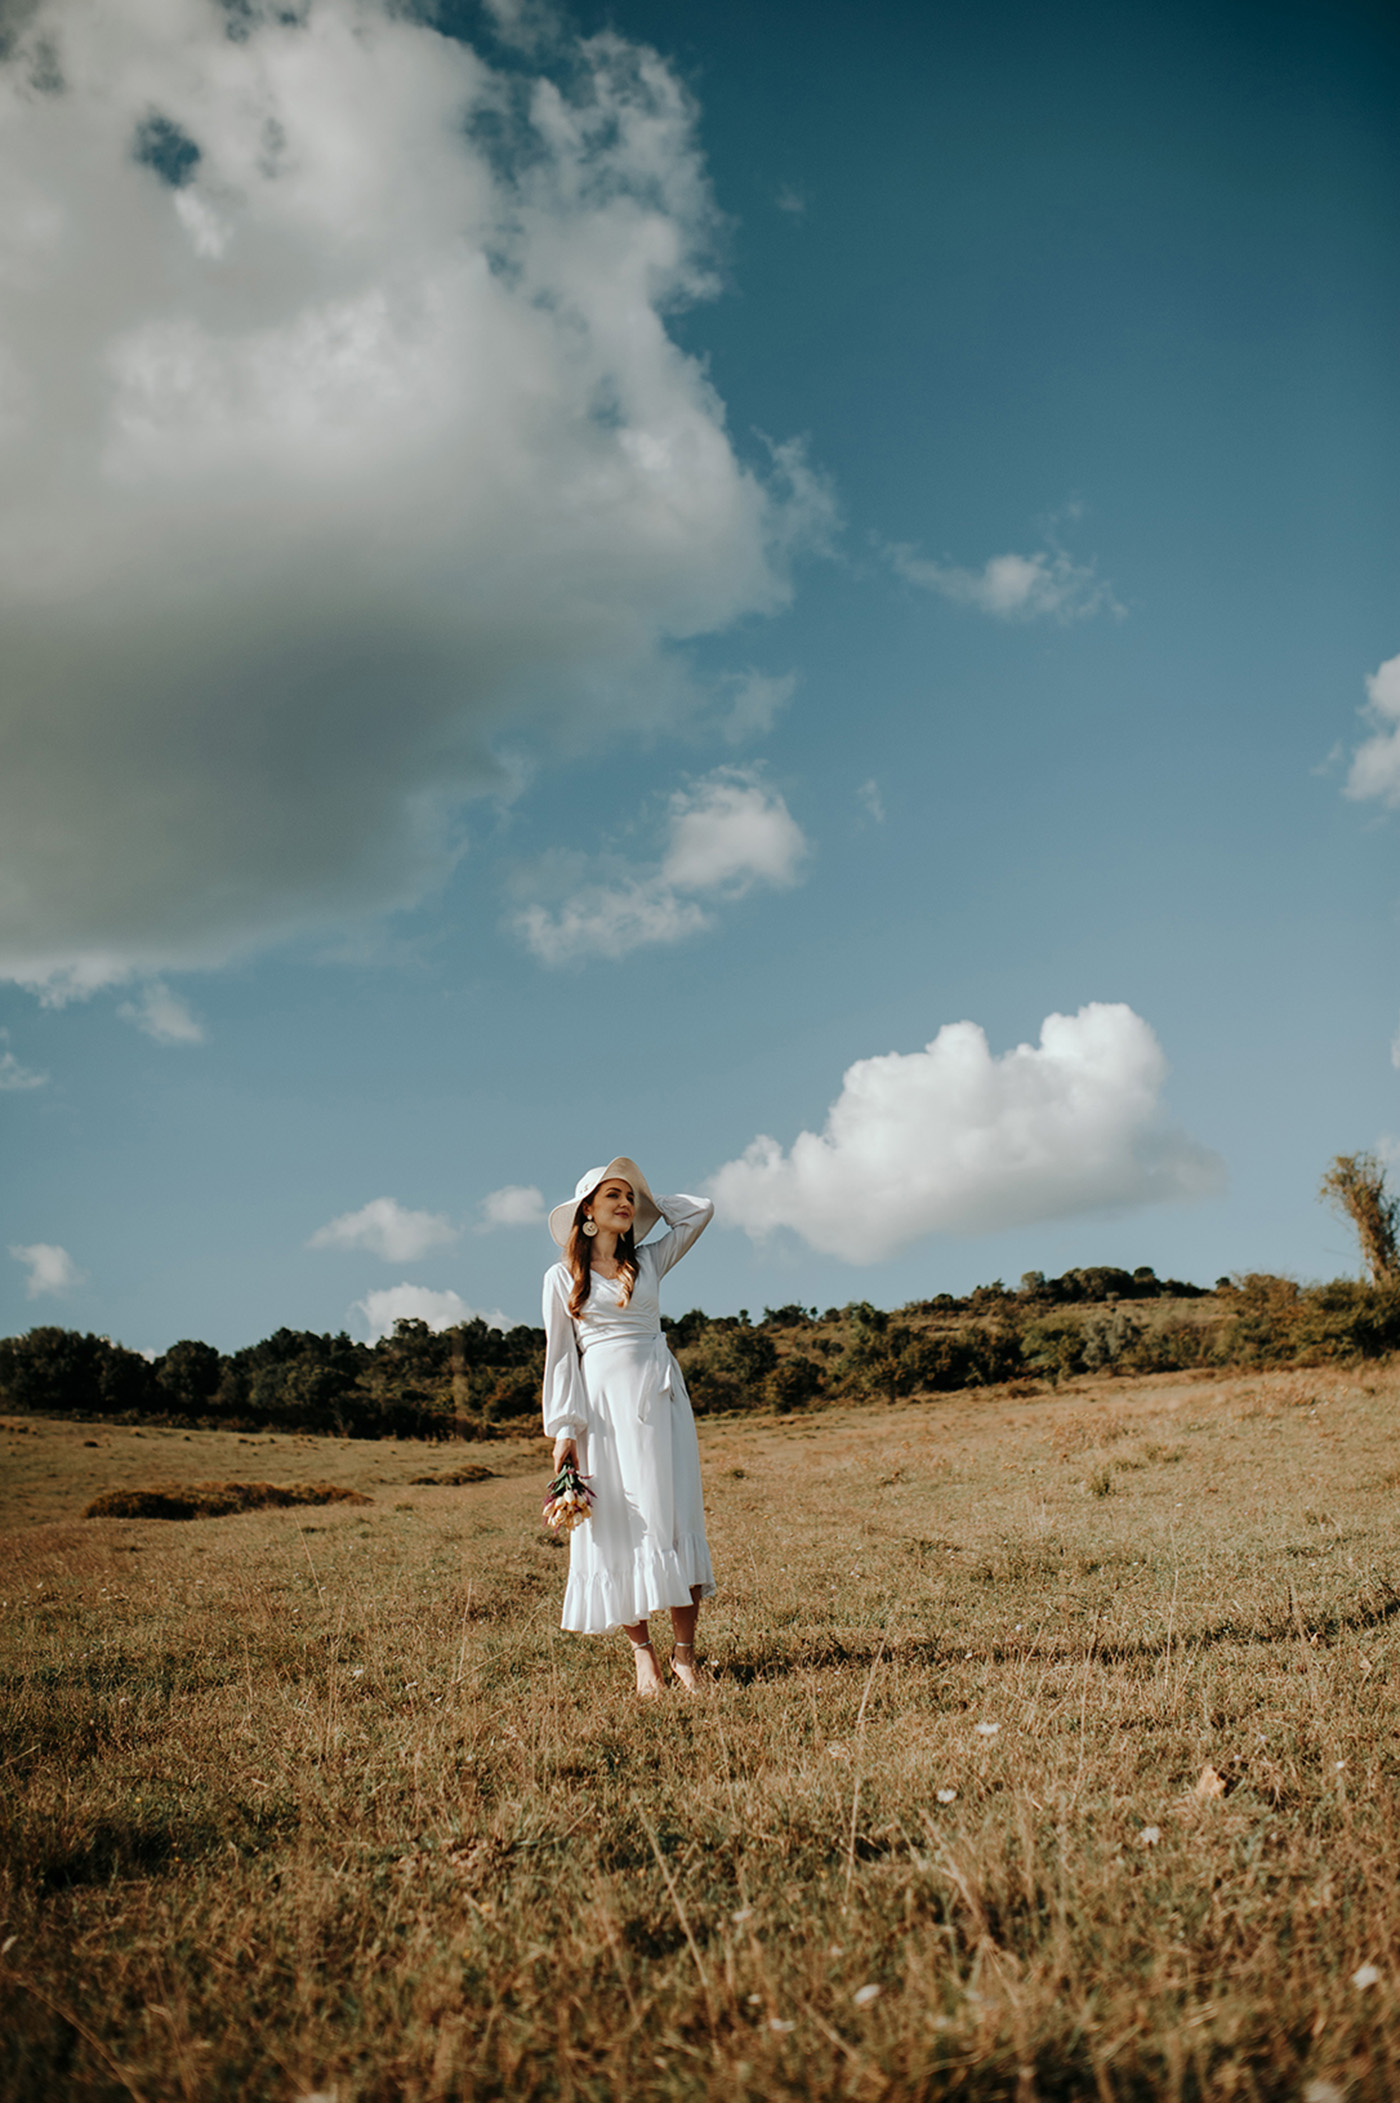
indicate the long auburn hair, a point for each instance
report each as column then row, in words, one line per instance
column 579, row 1257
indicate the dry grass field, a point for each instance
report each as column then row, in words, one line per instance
column 320, row 1803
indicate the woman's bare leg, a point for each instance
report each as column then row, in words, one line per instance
column 649, row 1676
column 683, row 1620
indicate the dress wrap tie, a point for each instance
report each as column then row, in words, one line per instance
column 663, row 1375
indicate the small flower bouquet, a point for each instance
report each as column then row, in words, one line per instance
column 568, row 1501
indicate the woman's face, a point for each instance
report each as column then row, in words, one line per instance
column 612, row 1207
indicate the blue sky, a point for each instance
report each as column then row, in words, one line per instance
column 569, row 583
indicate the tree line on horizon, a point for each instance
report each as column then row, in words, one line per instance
column 417, row 1382
column 472, row 1381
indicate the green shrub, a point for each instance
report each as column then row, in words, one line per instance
column 1346, row 1319
column 1262, row 1328
column 728, row 1366
column 794, row 1382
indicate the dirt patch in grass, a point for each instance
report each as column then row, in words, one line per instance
column 216, row 1500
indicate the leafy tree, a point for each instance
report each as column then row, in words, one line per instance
column 878, row 1359
column 297, row 1379
column 789, row 1317
column 685, row 1329
column 1355, row 1186
column 1263, row 1330
column 727, row 1365
column 61, row 1370
column 189, row 1373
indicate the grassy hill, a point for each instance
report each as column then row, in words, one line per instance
column 1048, row 1751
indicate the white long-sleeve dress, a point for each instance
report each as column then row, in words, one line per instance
column 611, row 1383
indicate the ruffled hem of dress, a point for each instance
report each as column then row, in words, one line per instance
column 604, row 1600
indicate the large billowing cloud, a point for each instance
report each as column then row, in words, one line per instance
column 344, row 451
column 953, row 1140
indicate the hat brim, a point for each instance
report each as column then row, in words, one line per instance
column 648, row 1212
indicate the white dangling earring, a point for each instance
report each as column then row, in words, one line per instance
column 590, row 1228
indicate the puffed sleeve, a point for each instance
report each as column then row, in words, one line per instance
column 565, row 1403
column 687, row 1219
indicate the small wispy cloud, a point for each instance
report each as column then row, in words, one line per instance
column 1375, row 765
column 1049, row 585
column 51, row 1268
column 525, row 25
column 163, row 1015
column 418, row 1303
column 13, row 1076
column 60, row 980
column 727, row 835
column 609, row 921
column 757, row 700
column 388, row 1229
column 515, row 1205
column 871, row 801
column 791, row 200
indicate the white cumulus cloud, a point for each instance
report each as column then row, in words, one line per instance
column 727, row 834
column 1375, row 765
column 345, row 456
column 388, row 1229
column 161, row 1014
column 954, row 1140
column 51, row 1269
column 417, row 1303
column 1048, row 584
column 515, row 1205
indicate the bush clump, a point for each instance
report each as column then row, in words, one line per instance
column 455, row 1478
column 216, row 1500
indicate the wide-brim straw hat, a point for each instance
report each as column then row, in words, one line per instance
column 647, row 1213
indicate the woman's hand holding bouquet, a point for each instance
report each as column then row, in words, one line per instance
column 568, row 1501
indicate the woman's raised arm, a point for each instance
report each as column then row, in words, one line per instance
column 687, row 1219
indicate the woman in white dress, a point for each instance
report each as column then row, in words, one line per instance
column 615, row 1404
